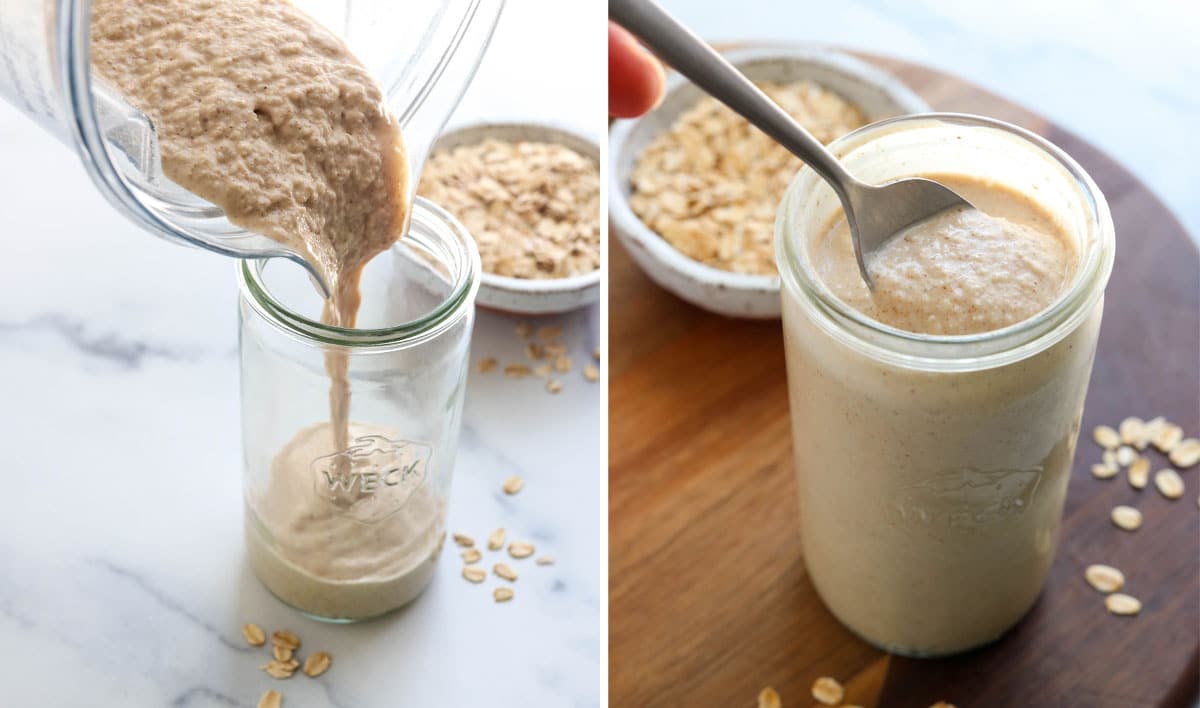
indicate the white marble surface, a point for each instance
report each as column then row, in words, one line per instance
column 122, row 581
column 1122, row 75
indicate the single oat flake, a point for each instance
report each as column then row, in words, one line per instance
column 1101, row 471
column 1104, row 578
column 520, row 549
column 281, row 669
column 464, row 540
column 282, row 654
column 285, row 638
column 1127, row 517
column 545, row 560
column 524, row 329
column 474, row 573
column 254, row 635
column 496, row 540
column 591, row 373
column 1168, row 438
column 1133, row 432
column 471, row 555
column 769, row 698
column 517, row 371
column 502, row 594
column 271, row 699
column 554, row 386
column 1139, row 473
column 317, row 664
column 486, row 365
column 1186, row 453
column 827, row 690
column 1169, row 483
column 505, row 571
column 1106, row 437
column 1122, row 604
column 513, row 484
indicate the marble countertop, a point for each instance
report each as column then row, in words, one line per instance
column 122, row 578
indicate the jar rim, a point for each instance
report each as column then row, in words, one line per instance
column 429, row 223
column 962, row 351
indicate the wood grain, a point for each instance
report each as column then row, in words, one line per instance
column 709, row 600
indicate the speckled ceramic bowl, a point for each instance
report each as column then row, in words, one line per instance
column 735, row 294
column 521, row 295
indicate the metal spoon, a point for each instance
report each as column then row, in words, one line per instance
column 874, row 213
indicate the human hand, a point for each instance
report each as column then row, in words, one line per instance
column 635, row 77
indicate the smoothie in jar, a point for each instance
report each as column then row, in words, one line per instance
column 935, row 417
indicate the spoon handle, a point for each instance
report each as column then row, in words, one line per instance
column 692, row 57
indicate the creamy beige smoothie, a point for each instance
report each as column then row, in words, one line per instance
column 931, row 485
column 265, row 113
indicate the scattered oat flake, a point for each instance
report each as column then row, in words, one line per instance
column 271, row 699
column 1104, row 471
column 496, row 540
column 317, row 664
column 1104, row 578
column 1139, row 472
column 474, row 573
column 513, row 484
column 827, row 690
column 545, row 560
column 1168, row 438
column 464, row 540
column 502, row 594
column 486, row 365
column 517, row 371
column 471, row 555
column 591, row 373
column 1133, row 431
column 505, row 571
column 254, row 635
column 1186, row 453
column 285, row 638
column 549, row 333
column 524, row 330
column 1169, row 483
column 1122, row 604
column 543, row 371
column 554, row 386
column 520, row 549
column 1127, row 517
column 1106, row 437
column 535, row 351
column 282, row 654
column 769, row 698
column 1126, row 455
column 281, row 669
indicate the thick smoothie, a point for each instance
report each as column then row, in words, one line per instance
column 932, row 474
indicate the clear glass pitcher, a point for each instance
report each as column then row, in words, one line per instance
column 423, row 52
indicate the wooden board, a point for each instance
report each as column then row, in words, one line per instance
column 709, row 600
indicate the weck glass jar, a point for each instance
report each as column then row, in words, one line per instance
column 932, row 470
column 345, row 520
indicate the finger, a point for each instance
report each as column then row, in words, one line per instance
column 635, row 77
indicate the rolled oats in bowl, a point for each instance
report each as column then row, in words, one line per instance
column 709, row 184
column 532, row 206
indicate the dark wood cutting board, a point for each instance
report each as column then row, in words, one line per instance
column 708, row 596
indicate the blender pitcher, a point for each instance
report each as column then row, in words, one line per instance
column 423, row 52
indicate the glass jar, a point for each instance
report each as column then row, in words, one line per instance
column 347, row 523
column 932, row 470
